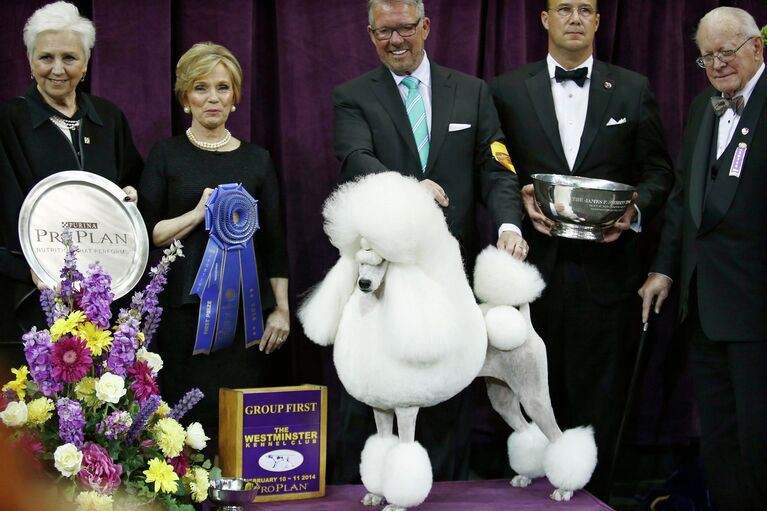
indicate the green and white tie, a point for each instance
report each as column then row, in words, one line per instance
column 416, row 113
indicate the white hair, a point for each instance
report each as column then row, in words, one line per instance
column 420, row 11
column 59, row 16
column 729, row 19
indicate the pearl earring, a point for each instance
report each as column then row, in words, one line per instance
column 187, row 110
column 234, row 108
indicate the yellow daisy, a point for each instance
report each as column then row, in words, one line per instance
column 162, row 475
column 67, row 325
column 169, row 436
column 19, row 384
column 98, row 340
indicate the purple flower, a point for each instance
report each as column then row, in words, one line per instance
column 186, row 403
column 180, row 464
column 48, row 304
column 114, row 425
column 143, row 384
column 148, row 407
column 99, row 472
column 71, row 421
column 69, row 273
column 146, row 303
column 122, row 355
column 97, row 296
column 37, row 350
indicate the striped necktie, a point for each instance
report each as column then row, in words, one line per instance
column 416, row 113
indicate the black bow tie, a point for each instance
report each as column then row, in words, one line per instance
column 720, row 104
column 576, row 75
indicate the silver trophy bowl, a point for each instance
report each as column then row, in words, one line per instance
column 579, row 206
column 231, row 494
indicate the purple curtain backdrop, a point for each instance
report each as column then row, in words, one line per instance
column 294, row 52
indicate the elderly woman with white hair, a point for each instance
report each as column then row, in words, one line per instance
column 55, row 126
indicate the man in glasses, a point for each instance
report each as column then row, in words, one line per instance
column 713, row 246
column 440, row 126
column 573, row 114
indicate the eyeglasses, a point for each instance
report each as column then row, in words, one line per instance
column 723, row 56
column 565, row 11
column 385, row 33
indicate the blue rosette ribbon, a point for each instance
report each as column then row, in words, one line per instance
column 228, row 266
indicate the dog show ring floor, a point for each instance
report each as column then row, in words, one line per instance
column 496, row 495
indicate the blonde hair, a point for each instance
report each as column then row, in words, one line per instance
column 59, row 17
column 199, row 61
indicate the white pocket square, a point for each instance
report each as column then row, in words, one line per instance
column 613, row 122
column 457, row 126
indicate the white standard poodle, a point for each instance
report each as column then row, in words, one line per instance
column 408, row 333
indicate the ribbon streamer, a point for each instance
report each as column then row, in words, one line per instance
column 227, row 268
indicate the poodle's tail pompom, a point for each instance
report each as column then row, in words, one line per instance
column 526, row 449
column 372, row 461
column 502, row 280
column 407, row 475
column 321, row 311
column 570, row 460
column 506, row 327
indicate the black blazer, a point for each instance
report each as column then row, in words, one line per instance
column 373, row 134
column 632, row 152
column 724, row 235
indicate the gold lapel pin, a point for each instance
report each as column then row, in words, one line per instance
column 744, row 131
column 608, row 85
column 87, row 140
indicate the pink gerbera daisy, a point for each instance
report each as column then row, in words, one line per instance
column 143, row 384
column 71, row 359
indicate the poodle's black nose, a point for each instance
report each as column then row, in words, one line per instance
column 364, row 285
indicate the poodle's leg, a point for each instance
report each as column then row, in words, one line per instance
column 407, row 473
column 526, row 444
column 373, row 456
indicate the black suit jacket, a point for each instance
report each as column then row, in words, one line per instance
column 632, row 152
column 373, row 134
column 722, row 235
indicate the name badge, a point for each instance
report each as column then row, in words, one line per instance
column 738, row 159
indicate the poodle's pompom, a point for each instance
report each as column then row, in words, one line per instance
column 372, row 461
column 397, row 216
column 321, row 311
column 502, row 280
column 526, row 450
column 407, row 475
column 571, row 459
column 506, row 327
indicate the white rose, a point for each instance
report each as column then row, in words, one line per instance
column 195, row 436
column 68, row 459
column 110, row 388
column 153, row 360
column 15, row 414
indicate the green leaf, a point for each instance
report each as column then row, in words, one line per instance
column 215, row 473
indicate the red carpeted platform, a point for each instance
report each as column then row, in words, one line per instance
column 495, row 495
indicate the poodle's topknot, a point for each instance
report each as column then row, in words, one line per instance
column 397, row 216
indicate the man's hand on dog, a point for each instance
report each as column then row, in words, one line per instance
column 514, row 244
column 437, row 192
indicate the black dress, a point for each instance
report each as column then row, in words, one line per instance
column 174, row 178
column 31, row 149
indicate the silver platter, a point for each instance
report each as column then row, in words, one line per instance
column 105, row 227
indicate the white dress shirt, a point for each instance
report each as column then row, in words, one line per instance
column 728, row 122
column 570, row 104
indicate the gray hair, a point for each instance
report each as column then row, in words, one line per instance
column 729, row 19
column 59, row 16
column 420, row 11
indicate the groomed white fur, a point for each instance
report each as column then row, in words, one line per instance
column 320, row 312
column 407, row 474
column 570, row 461
column 501, row 279
column 506, row 327
column 421, row 338
column 372, row 459
column 526, row 450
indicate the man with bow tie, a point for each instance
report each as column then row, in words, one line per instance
column 573, row 114
column 714, row 247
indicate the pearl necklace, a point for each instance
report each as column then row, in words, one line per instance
column 209, row 146
column 65, row 124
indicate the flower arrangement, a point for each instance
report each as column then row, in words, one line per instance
column 87, row 407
